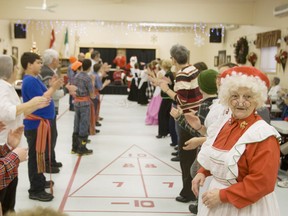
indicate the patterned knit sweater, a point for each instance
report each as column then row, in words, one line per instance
column 188, row 95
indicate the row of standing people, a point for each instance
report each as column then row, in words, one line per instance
column 233, row 159
column 41, row 91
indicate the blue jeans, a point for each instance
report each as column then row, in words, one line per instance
column 82, row 120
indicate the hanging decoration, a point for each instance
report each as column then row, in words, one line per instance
column 200, row 31
column 252, row 58
column 241, row 50
column 281, row 58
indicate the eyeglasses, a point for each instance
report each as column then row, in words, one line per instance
column 243, row 100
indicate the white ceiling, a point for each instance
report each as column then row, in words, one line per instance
column 176, row 11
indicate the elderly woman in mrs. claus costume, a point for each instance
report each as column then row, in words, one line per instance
column 243, row 156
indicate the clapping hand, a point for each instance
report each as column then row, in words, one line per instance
column 56, row 82
column 193, row 120
column 176, row 112
column 14, row 136
column 40, row 102
column 2, row 126
column 72, row 89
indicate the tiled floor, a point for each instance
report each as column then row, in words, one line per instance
column 130, row 172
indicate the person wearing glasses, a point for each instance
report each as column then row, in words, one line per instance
column 243, row 156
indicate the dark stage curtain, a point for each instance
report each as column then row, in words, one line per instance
column 143, row 55
column 107, row 54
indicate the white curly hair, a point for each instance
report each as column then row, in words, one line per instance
column 236, row 80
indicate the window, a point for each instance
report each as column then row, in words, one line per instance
column 267, row 61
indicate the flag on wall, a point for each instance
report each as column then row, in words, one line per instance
column 52, row 39
column 66, row 45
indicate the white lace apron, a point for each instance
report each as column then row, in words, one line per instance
column 223, row 166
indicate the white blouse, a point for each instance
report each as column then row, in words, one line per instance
column 8, row 102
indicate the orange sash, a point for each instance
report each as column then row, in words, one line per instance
column 82, row 99
column 43, row 134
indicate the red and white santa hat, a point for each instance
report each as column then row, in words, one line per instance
column 248, row 71
column 244, row 76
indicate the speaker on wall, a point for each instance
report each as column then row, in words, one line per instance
column 18, row 30
column 215, row 35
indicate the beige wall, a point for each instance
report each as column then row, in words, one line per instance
column 115, row 34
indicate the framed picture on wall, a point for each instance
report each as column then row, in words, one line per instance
column 222, row 57
column 15, row 52
column 216, row 61
column 228, row 58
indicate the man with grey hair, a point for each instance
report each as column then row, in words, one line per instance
column 50, row 65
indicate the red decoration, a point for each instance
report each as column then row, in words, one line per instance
column 252, row 58
column 281, row 58
column 52, row 39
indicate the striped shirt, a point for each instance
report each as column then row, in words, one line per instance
column 188, row 95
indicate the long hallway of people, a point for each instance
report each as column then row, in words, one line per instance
column 129, row 172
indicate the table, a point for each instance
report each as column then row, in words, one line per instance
column 280, row 126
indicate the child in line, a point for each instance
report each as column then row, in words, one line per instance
column 82, row 106
column 37, row 128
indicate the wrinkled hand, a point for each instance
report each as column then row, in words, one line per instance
column 175, row 112
column 2, row 126
column 211, row 198
column 40, row 102
column 193, row 143
column 14, row 136
column 197, row 181
column 56, row 82
column 193, row 120
column 22, row 153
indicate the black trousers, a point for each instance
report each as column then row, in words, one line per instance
column 37, row 180
column 8, row 196
column 163, row 117
column 54, row 135
column 186, row 160
column 172, row 130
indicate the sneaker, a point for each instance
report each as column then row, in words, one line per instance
column 97, row 131
column 101, row 119
column 98, row 124
column 42, row 196
column 53, row 169
column 47, row 184
column 283, row 183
